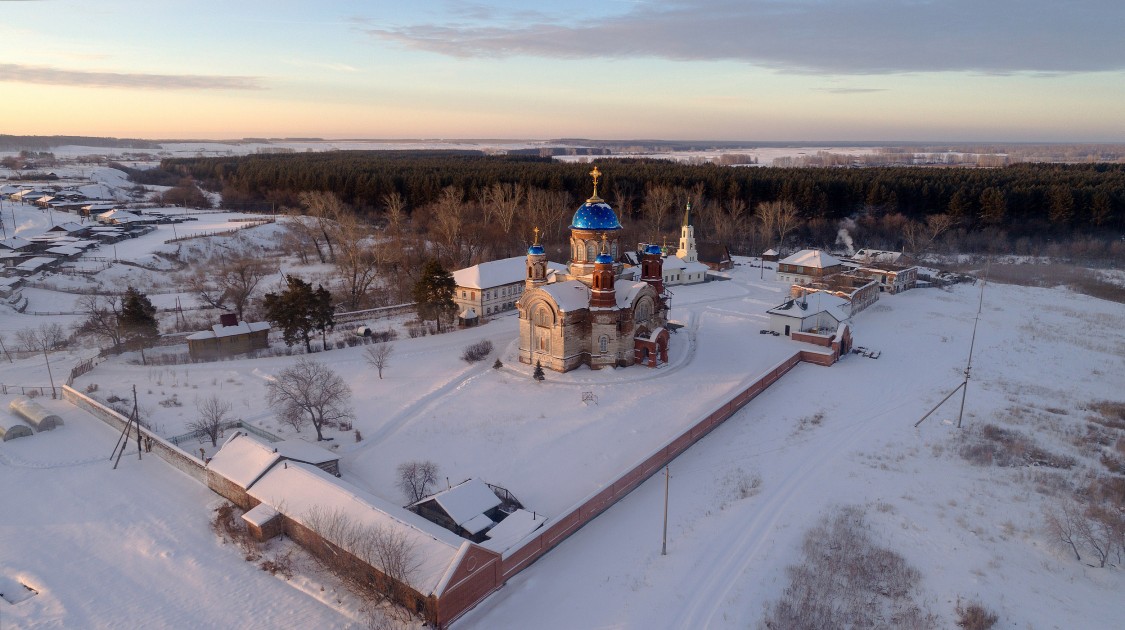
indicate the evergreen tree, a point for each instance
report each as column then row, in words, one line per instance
column 137, row 320
column 538, row 374
column 299, row 310
column 433, row 293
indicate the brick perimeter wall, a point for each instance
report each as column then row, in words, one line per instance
column 160, row 447
column 573, row 519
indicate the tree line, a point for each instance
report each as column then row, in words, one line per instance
column 465, row 207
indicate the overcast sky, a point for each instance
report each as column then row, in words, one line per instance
column 987, row 70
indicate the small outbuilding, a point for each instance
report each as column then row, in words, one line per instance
column 468, row 509
column 227, row 338
column 10, row 429
column 34, row 414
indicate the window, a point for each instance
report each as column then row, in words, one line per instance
column 462, row 294
column 591, row 251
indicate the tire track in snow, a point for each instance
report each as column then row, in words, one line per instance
column 717, row 574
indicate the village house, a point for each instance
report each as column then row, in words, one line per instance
column 716, row 256
column 227, row 338
column 807, row 265
column 813, row 312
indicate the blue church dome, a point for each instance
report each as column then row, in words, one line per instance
column 653, row 249
column 595, row 214
column 536, row 250
column 604, row 259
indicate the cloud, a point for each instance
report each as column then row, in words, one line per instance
column 48, row 75
column 809, row 36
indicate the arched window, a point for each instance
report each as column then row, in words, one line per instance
column 543, row 316
column 591, row 251
column 603, row 344
column 643, row 311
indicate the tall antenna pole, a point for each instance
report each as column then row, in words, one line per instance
column 969, row 363
column 664, row 543
column 964, row 386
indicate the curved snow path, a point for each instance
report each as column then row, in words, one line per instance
column 718, row 572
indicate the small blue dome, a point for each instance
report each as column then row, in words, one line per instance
column 536, row 250
column 604, row 259
column 653, row 249
column 595, row 215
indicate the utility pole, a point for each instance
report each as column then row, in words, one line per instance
column 664, row 543
column 49, row 375
column 5, row 349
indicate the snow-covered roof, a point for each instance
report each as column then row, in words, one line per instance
column 121, row 216
column 695, row 267
column 259, row 515
column 496, row 273
column 876, row 256
column 69, row 226
column 477, row 524
column 517, row 526
column 243, row 459
column 302, row 492
column 302, row 451
column 31, row 264
column 64, row 250
column 812, row 258
column 218, row 330
column 491, row 274
column 99, row 207
column 14, row 242
column 570, row 295
column 468, row 313
column 673, row 262
column 816, row 302
column 466, row 501
column 627, row 292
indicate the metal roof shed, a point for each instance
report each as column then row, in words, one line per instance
column 34, row 414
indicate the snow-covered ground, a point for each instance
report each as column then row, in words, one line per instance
column 103, row 546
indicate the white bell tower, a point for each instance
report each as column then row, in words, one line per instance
column 687, row 252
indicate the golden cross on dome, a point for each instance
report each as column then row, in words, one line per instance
column 596, row 174
column 605, row 244
column 536, row 235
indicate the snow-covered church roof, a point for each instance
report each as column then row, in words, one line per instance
column 496, row 273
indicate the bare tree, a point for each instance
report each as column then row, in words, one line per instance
column 658, row 202
column 212, row 416
column 503, row 200
column 101, row 313
column 395, row 207
column 1064, row 524
column 379, row 355
column 416, row 478
column 310, row 389
column 230, row 285
column 387, row 560
column 449, row 210
column 47, row 336
column 778, row 217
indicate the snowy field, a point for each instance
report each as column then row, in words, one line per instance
column 103, row 547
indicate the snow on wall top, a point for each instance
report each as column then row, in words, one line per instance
column 300, row 491
column 812, row 258
column 495, row 273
